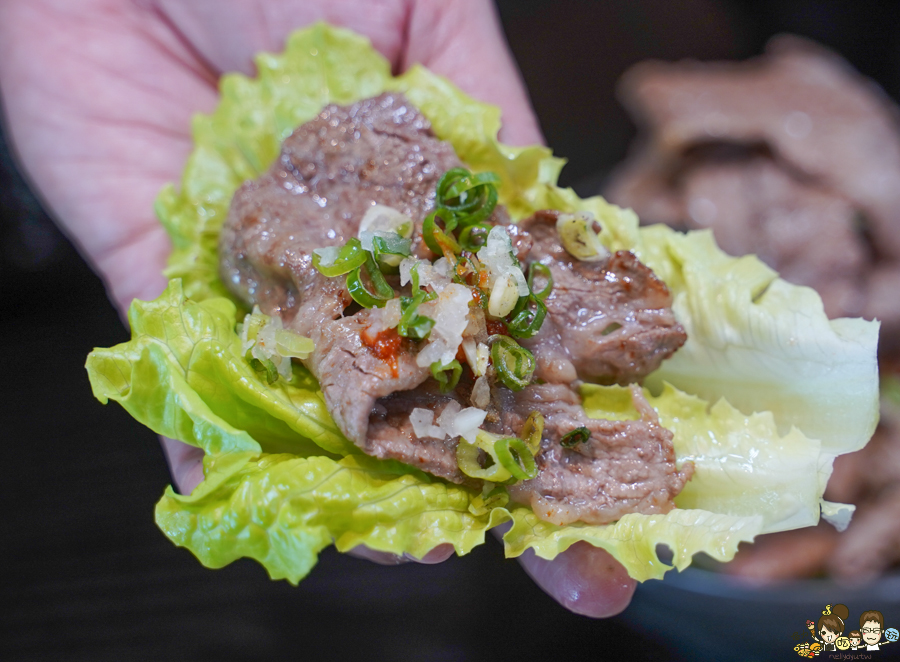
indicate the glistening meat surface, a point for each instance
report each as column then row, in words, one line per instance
column 625, row 467
column 609, row 321
column 331, row 170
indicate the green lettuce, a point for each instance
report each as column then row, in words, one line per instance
column 766, row 392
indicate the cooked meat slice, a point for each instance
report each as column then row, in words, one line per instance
column 808, row 233
column 611, row 320
column 625, row 467
column 391, row 434
column 331, row 170
column 800, row 99
column 882, row 303
column 382, row 151
column 872, row 543
column 792, row 156
column 352, row 376
column 646, row 183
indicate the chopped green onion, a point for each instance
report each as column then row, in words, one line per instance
column 437, row 240
column 576, row 233
column 504, row 295
column 390, row 248
column 265, row 365
column 414, row 276
column 514, row 364
column 533, row 430
column 412, row 324
column 544, row 271
column 440, row 373
column 527, row 317
column 474, row 236
column 470, row 197
column 467, row 459
column 383, row 292
column 575, row 437
column 348, row 257
column 466, row 182
column 253, row 323
column 516, row 458
column 447, row 180
column 288, row 343
column 511, row 458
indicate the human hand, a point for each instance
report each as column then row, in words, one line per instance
column 99, row 96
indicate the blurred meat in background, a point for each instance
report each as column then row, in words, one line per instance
column 795, row 157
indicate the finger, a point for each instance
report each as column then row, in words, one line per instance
column 185, row 464
column 463, row 41
column 99, row 131
column 228, row 34
column 584, row 579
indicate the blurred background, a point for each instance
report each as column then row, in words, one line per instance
column 88, row 575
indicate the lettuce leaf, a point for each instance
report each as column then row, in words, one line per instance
column 184, row 376
column 282, row 510
column 281, row 482
column 742, row 466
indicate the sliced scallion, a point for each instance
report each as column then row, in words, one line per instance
column 358, row 290
column 471, row 197
column 544, row 271
column 516, row 457
column 527, row 317
column 264, row 365
column 390, row 248
column 412, row 324
column 350, row 256
column 504, row 296
column 576, row 234
column 467, row 457
column 575, row 437
column 513, row 363
column 533, row 430
column 474, row 236
column 446, row 375
column 288, row 343
column 438, row 240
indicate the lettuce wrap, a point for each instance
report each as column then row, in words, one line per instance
column 764, row 395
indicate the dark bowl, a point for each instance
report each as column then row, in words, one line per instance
column 702, row 614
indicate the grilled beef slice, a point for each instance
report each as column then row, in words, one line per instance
column 791, row 156
column 382, row 151
column 608, row 321
column 331, row 170
column 625, row 467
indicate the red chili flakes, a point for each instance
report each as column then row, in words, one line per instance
column 461, row 355
column 495, row 327
column 386, row 346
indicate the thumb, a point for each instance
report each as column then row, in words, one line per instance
column 462, row 41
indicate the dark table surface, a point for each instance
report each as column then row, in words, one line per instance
column 86, row 573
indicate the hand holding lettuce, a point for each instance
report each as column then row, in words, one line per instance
column 282, row 483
